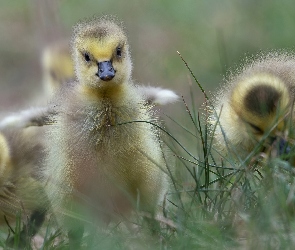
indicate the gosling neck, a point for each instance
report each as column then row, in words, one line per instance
column 111, row 93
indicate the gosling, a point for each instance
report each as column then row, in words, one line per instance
column 57, row 67
column 254, row 108
column 20, row 191
column 104, row 154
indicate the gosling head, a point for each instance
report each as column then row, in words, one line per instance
column 101, row 53
column 57, row 66
column 262, row 102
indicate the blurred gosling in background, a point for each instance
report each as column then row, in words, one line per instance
column 20, row 191
column 57, row 66
column 58, row 69
column 255, row 107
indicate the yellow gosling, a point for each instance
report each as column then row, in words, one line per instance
column 57, row 67
column 104, row 157
column 255, row 106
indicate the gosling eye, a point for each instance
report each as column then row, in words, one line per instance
column 119, row 52
column 256, row 129
column 86, row 57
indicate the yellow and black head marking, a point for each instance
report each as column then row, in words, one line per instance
column 261, row 101
column 256, row 106
column 101, row 53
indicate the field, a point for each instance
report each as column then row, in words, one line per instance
column 214, row 202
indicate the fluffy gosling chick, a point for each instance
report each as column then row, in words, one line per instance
column 103, row 157
column 254, row 104
column 20, row 192
column 57, row 67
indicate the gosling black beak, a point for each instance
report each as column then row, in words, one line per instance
column 106, row 71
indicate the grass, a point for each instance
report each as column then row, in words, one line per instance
column 214, row 202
